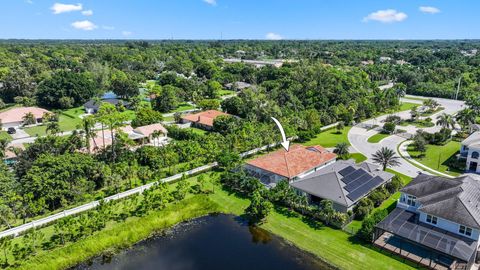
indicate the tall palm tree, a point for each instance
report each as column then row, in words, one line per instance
column 446, row 121
column 88, row 125
column 3, row 146
column 341, row 149
column 53, row 128
column 466, row 117
column 386, row 158
column 29, row 119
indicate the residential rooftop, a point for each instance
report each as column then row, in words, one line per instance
column 16, row 114
column 204, row 118
column 457, row 199
column 298, row 160
column 472, row 140
column 343, row 182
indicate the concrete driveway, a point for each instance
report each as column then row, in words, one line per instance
column 358, row 135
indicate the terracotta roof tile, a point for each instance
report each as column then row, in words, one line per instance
column 297, row 160
column 205, row 118
column 16, row 114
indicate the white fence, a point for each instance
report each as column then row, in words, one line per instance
column 88, row 206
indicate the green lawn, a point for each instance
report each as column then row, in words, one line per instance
column 359, row 157
column 68, row 120
column 198, row 131
column 334, row 246
column 437, row 156
column 183, row 107
column 416, row 98
column 377, row 137
column 226, row 92
column 406, row 106
column 330, row 138
column 5, row 135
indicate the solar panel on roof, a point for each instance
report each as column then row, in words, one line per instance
column 346, row 171
column 364, row 188
column 358, row 182
column 353, row 176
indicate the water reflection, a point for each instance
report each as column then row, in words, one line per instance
column 210, row 243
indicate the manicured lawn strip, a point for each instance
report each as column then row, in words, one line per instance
column 377, row 137
column 436, row 156
column 334, row 246
column 359, row 157
column 226, row 92
column 5, row 135
column 406, row 106
column 330, row 138
column 68, row 120
column 183, row 107
column 198, row 131
column 122, row 235
column 415, row 98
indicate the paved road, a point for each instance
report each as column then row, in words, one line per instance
column 358, row 136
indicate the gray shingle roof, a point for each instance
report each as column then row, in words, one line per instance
column 457, row 200
column 327, row 182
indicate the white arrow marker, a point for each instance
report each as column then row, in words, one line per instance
column 285, row 143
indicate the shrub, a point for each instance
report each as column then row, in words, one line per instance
column 368, row 225
column 378, row 196
column 394, row 185
column 393, row 119
column 389, row 127
column 363, row 208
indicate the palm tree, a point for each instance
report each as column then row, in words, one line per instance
column 29, row 119
column 341, row 149
column 88, row 125
column 466, row 117
column 445, row 120
column 53, row 128
column 3, row 146
column 386, row 158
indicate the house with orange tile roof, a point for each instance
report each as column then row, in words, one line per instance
column 203, row 119
column 14, row 117
column 11, row 153
column 294, row 164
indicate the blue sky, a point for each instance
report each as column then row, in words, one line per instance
column 240, row 19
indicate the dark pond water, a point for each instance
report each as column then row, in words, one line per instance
column 211, row 243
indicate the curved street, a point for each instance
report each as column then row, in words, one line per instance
column 358, row 135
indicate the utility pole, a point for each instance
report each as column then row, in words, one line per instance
column 458, row 87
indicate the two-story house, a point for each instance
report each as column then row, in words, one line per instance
column 470, row 150
column 436, row 222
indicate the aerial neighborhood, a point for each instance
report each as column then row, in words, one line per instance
column 124, row 147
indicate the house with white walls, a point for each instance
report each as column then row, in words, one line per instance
column 436, row 222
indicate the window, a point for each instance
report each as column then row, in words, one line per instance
column 475, row 154
column 465, row 230
column 411, row 200
column 432, row 219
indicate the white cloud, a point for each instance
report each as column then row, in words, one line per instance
column 58, row 8
column 127, row 33
column 87, row 12
column 84, row 25
column 273, row 36
column 386, row 16
column 430, row 10
column 29, row 1
column 211, row 2
column 108, row 27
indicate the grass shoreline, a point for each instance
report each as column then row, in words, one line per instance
column 334, row 247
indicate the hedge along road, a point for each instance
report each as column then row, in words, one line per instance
column 358, row 136
column 88, row 206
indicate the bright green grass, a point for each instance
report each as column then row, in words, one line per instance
column 122, row 235
column 226, row 92
column 437, row 156
column 406, row 106
column 68, row 120
column 359, row 157
column 198, row 131
column 330, row 138
column 5, row 135
column 183, row 107
column 415, row 98
column 377, row 137
column 334, row 246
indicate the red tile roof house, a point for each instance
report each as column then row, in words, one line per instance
column 297, row 163
column 202, row 120
column 141, row 135
column 14, row 117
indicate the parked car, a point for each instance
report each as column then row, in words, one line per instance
column 11, row 130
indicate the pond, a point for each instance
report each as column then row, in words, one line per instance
column 211, row 243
